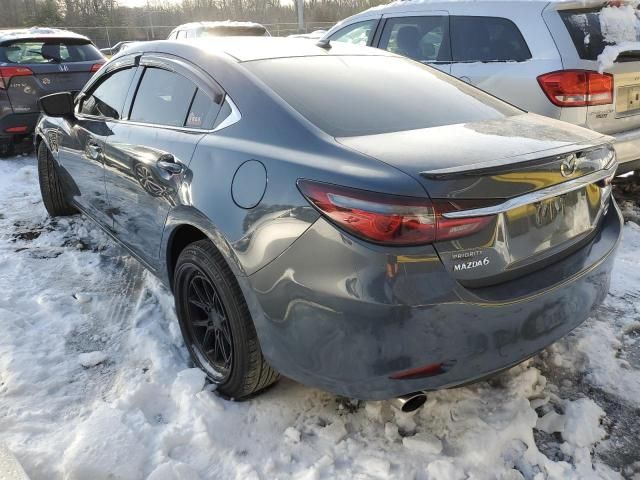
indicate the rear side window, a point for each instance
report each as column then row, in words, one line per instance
column 425, row 39
column 357, row 33
column 487, row 39
column 107, row 99
column 39, row 52
column 586, row 32
column 367, row 95
column 163, row 98
column 203, row 111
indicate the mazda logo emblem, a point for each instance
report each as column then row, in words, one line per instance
column 569, row 166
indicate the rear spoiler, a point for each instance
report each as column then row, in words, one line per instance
column 505, row 165
column 578, row 4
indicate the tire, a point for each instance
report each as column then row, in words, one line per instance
column 6, row 148
column 50, row 187
column 221, row 338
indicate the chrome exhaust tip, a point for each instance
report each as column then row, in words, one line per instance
column 410, row 402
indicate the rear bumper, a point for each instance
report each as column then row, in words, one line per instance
column 17, row 120
column 345, row 316
column 627, row 145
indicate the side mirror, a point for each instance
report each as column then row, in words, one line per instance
column 57, row 104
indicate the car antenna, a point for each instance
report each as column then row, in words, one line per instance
column 324, row 43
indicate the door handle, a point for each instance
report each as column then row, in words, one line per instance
column 168, row 164
column 94, row 151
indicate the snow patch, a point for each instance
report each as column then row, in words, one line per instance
column 582, row 426
column 91, row 359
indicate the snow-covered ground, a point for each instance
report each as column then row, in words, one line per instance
column 95, row 383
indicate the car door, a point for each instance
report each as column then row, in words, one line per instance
column 492, row 54
column 147, row 153
column 82, row 149
column 422, row 37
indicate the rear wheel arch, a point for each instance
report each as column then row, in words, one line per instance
column 186, row 227
column 179, row 239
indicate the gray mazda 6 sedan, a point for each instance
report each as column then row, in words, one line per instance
column 340, row 215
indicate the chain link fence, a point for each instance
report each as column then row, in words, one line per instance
column 106, row 37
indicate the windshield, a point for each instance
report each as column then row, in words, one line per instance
column 50, row 51
column 366, row 95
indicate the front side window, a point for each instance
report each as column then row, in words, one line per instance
column 425, row 39
column 356, row 33
column 107, row 99
column 487, row 39
column 163, row 98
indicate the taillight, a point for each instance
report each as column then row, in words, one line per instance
column 577, row 88
column 96, row 66
column 7, row 73
column 389, row 219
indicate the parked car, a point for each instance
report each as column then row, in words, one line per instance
column 538, row 55
column 35, row 62
column 218, row 29
column 117, row 48
column 423, row 240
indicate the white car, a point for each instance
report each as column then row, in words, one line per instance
column 544, row 57
column 226, row 28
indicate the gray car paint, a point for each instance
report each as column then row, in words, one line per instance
column 331, row 310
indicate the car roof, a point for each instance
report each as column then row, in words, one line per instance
column 411, row 5
column 39, row 33
column 246, row 49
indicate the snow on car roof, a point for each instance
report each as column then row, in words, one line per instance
column 38, row 32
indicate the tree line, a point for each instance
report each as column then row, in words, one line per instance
column 106, row 21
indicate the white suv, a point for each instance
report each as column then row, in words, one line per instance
column 541, row 56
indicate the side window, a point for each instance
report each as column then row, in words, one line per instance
column 163, row 98
column 181, row 34
column 487, row 39
column 107, row 99
column 356, row 33
column 425, row 39
column 203, row 111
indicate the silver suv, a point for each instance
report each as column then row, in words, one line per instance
column 541, row 56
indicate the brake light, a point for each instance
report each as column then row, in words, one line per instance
column 577, row 88
column 7, row 73
column 96, row 66
column 389, row 219
column 18, row 129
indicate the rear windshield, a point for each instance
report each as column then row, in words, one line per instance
column 56, row 51
column 366, row 95
column 585, row 27
column 233, row 31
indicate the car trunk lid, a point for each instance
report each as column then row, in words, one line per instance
column 543, row 184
